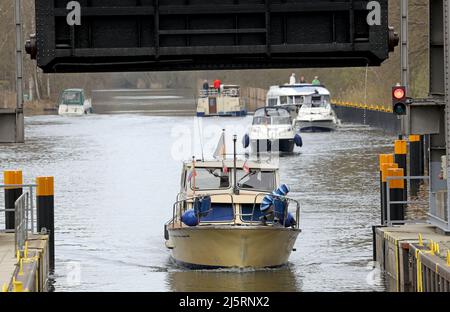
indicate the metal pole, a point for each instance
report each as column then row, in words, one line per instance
column 447, row 99
column 235, row 165
column 19, row 73
column 404, row 55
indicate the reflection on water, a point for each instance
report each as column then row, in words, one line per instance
column 117, row 177
column 278, row 280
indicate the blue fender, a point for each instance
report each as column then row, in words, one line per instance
column 246, row 141
column 190, row 218
column 298, row 140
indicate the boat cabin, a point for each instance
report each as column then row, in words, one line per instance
column 297, row 95
column 224, row 102
column 72, row 97
column 210, row 192
column 272, row 116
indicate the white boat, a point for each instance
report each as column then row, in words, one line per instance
column 226, row 102
column 232, row 218
column 73, row 102
column 308, row 104
column 272, row 131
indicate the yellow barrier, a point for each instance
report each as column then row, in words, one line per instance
column 366, row 106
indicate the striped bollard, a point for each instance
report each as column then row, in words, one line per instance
column 45, row 205
column 414, row 162
column 383, row 159
column 11, row 195
column 384, row 174
column 401, row 153
column 396, row 194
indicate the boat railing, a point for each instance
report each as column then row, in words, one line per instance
column 285, row 213
column 180, row 207
column 229, row 92
column 25, row 221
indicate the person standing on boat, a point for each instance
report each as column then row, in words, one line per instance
column 205, row 85
column 293, row 80
column 316, row 81
column 217, row 84
column 302, row 79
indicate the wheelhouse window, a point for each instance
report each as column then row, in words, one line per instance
column 291, row 100
column 272, row 116
column 71, row 98
column 256, row 180
column 273, row 102
column 208, row 179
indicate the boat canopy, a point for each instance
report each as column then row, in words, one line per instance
column 254, row 178
column 272, row 116
column 72, row 97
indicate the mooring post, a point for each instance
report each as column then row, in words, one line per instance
column 384, row 159
column 414, row 162
column 396, row 194
column 12, row 193
column 45, row 205
column 384, row 175
column 401, row 153
column 19, row 124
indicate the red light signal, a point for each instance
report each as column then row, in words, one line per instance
column 399, row 93
column 399, row 100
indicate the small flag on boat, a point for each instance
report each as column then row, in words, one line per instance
column 225, row 168
column 221, row 149
column 245, row 167
column 192, row 174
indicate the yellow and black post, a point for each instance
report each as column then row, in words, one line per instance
column 396, row 194
column 12, row 193
column 383, row 159
column 384, row 174
column 401, row 152
column 45, row 205
column 414, row 162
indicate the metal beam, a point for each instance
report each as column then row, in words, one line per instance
column 447, row 103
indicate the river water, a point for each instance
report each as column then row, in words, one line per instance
column 117, row 176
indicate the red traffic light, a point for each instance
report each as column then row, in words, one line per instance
column 399, row 93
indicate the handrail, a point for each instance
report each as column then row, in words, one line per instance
column 22, row 207
column 389, row 202
column 24, row 214
column 177, row 217
column 297, row 208
column 192, row 198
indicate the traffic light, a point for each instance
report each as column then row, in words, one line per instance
column 399, row 100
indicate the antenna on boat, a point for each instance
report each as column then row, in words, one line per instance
column 235, row 188
column 200, row 133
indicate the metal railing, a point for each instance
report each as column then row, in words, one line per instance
column 390, row 202
column 24, row 214
column 181, row 206
column 22, row 206
column 214, row 92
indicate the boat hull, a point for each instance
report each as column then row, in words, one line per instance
column 280, row 145
column 316, row 126
column 232, row 247
column 73, row 110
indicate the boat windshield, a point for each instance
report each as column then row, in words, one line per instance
column 318, row 101
column 71, row 98
column 209, row 179
column 272, row 116
column 256, row 180
column 292, row 100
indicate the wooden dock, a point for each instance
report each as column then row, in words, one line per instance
column 28, row 273
column 416, row 258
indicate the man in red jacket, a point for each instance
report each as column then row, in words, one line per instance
column 217, row 84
